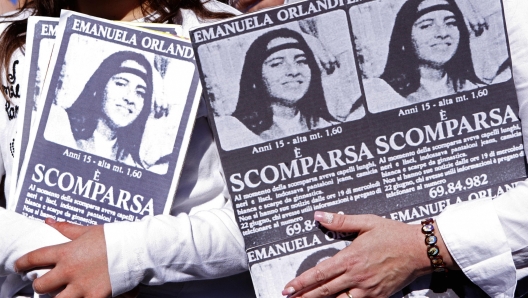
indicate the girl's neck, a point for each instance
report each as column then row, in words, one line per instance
column 435, row 82
column 284, row 111
column 104, row 130
column 122, row 10
column 432, row 73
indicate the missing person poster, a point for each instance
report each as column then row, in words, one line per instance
column 40, row 38
column 392, row 107
column 120, row 104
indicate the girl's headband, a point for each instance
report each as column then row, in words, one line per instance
column 284, row 46
column 435, row 8
column 134, row 71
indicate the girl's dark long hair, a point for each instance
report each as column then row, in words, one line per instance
column 254, row 101
column 88, row 108
column 402, row 68
column 14, row 37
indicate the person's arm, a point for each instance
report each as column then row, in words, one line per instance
column 201, row 241
column 487, row 238
column 174, row 249
column 492, row 265
column 482, row 244
column 21, row 235
column 386, row 256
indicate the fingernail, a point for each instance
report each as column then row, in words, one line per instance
column 288, row 291
column 50, row 221
column 324, row 217
column 16, row 269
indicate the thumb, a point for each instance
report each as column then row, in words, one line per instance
column 69, row 230
column 345, row 223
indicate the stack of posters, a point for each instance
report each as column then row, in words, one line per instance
column 39, row 45
column 112, row 120
column 389, row 107
column 40, row 34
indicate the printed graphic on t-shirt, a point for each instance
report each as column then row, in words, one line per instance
column 12, row 90
column 12, row 147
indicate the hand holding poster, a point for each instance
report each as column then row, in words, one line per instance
column 96, row 155
column 396, row 108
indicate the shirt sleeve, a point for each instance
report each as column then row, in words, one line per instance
column 21, row 235
column 473, row 235
column 488, row 238
column 199, row 240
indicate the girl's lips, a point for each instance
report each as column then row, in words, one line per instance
column 124, row 108
column 441, row 44
column 294, row 82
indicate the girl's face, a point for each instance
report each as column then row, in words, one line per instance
column 286, row 75
column 435, row 37
column 124, row 97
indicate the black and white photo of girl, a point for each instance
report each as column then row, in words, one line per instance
column 121, row 89
column 434, row 49
column 291, row 81
column 280, row 89
column 117, row 112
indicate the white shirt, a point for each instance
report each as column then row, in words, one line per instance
column 489, row 238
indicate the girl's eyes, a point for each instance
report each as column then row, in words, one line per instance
column 425, row 25
column 275, row 62
column 301, row 60
column 120, row 82
column 141, row 92
column 429, row 24
column 451, row 23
